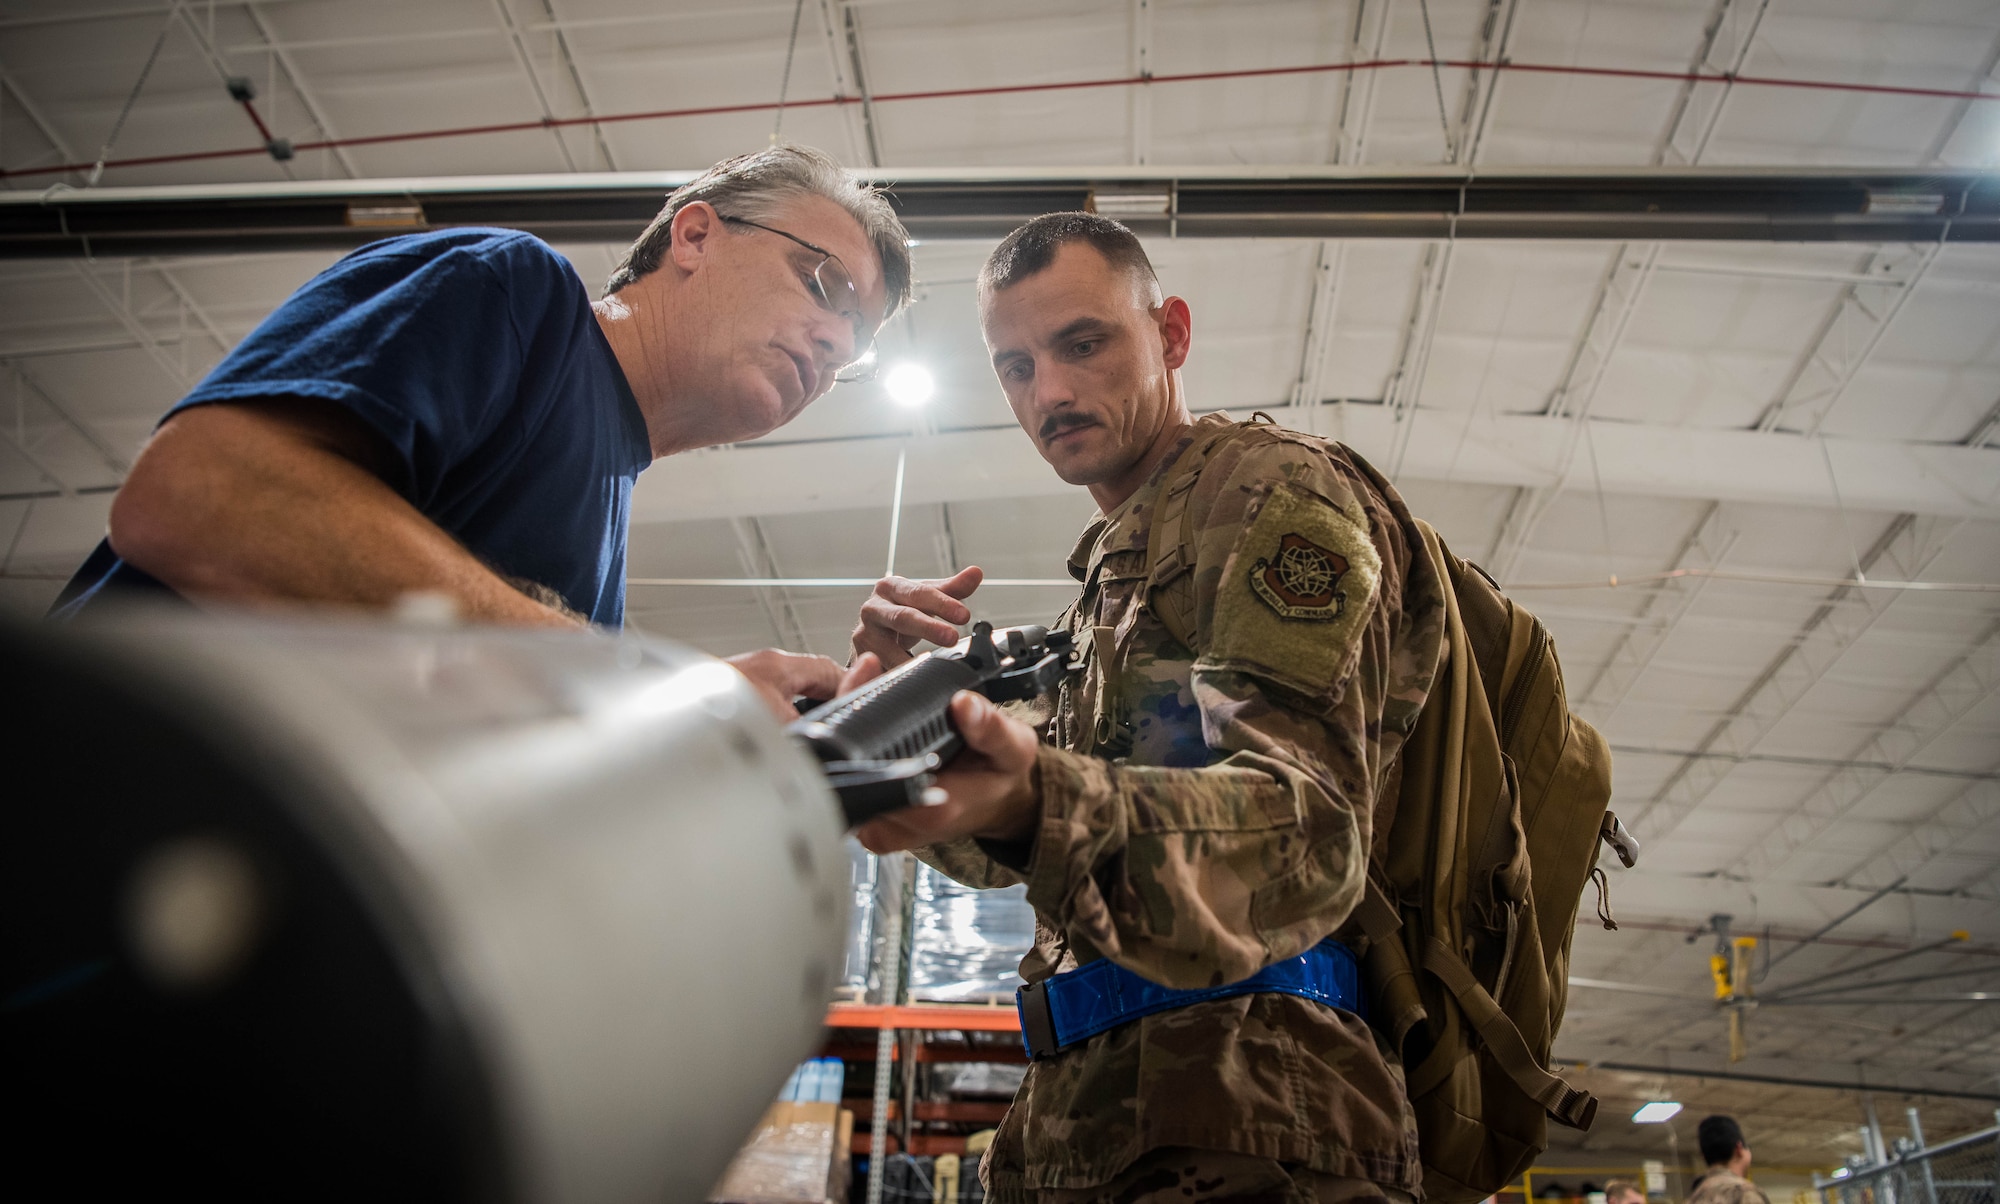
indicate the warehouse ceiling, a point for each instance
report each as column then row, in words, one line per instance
column 1733, row 432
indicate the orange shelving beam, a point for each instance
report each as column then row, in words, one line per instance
column 931, row 1016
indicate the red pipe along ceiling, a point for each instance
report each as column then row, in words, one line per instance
column 1761, row 81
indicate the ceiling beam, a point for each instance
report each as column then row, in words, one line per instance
column 1802, row 761
column 1140, row 99
column 1864, row 312
column 1322, row 306
column 1927, row 717
column 178, row 10
column 1841, row 619
column 78, row 15
column 1952, row 1037
column 779, row 476
column 1462, row 144
column 1785, row 1072
column 142, row 337
column 117, row 463
column 23, row 449
column 568, row 57
column 1569, row 405
column 1982, row 431
column 1970, row 812
column 1930, row 713
column 753, row 552
column 519, row 46
column 833, row 30
column 308, row 100
column 175, row 371
column 1915, row 917
column 857, row 67
column 1305, row 202
column 194, row 308
column 1725, row 44
column 1704, row 548
column 1983, row 881
column 41, row 123
column 1847, row 337
column 1726, row 39
column 1405, row 385
column 944, row 541
column 10, row 352
column 1356, row 110
column 1475, row 103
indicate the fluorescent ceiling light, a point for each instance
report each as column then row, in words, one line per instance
column 1657, row 1112
column 909, row 385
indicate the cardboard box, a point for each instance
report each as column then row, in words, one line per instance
column 797, row 1154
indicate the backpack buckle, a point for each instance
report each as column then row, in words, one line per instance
column 1623, row 843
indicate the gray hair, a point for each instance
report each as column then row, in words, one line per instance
column 755, row 186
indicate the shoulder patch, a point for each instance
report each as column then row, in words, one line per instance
column 1296, row 592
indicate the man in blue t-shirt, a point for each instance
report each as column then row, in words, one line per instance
column 450, row 413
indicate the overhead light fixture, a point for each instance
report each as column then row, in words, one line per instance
column 403, row 216
column 1906, row 204
column 909, row 385
column 1657, row 1112
column 1130, row 202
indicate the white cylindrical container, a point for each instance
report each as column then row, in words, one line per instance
column 451, row 912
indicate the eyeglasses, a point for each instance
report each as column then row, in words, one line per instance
column 833, row 287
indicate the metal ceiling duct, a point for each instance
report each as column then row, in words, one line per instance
column 1888, row 205
column 344, row 910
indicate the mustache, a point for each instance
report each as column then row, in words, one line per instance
column 1056, row 424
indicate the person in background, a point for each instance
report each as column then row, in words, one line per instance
column 449, row 413
column 1728, row 1158
column 1623, row 1191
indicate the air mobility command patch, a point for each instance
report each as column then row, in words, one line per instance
column 1302, row 581
column 1297, row 591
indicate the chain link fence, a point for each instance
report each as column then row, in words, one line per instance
column 1955, row 1172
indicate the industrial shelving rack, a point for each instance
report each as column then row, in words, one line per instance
column 905, row 1035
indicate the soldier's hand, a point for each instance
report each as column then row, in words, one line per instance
column 901, row 612
column 990, row 789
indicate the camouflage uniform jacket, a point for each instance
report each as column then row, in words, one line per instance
column 1203, row 818
column 1723, row 1186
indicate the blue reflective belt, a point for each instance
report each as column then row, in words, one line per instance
column 1067, row 1008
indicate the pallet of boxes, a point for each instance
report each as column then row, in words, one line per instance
column 798, row 1153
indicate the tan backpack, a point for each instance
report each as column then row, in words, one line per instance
column 1469, row 911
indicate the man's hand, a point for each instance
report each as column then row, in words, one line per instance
column 991, row 788
column 902, row 612
column 781, row 676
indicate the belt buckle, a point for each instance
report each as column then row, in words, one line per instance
column 1038, row 1026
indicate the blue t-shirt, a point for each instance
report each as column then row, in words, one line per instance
column 475, row 356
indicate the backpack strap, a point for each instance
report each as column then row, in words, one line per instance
column 1376, row 913
column 1170, row 538
column 1562, row 1101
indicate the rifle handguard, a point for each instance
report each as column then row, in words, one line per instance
column 882, row 744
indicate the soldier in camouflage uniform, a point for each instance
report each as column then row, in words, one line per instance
column 1728, row 1158
column 1192, row 814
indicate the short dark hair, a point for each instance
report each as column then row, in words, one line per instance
column 1031, row 248
column 1719, row 1136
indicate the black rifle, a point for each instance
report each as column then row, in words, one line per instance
column 881, row 744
